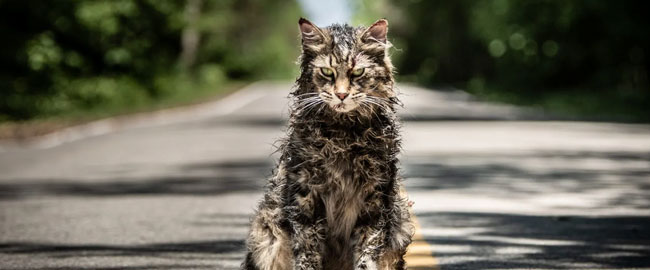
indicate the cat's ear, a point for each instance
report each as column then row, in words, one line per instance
column 376, row 32
column 312, row 36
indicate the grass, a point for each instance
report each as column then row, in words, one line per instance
column 44, row 124
column 576, row 104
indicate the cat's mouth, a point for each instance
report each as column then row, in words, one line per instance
column 342, row 107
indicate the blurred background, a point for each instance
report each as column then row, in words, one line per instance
column 79, row 60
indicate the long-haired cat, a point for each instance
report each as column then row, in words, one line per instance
column 334, row 201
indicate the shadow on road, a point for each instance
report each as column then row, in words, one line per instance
column 500, row 241
column 55, row 250
column 461, row 240
column 590, row 182
column 194, row 179
column 611, row 179
column 210, row 253
column 142, row 267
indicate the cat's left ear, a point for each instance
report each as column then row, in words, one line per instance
column 312, row 36
column 376, row 32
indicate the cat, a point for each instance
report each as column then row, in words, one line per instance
column 335, row 200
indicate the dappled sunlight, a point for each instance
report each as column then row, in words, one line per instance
column 517, row 241
column 531, row 198
column 541, row 182
column 523, row 241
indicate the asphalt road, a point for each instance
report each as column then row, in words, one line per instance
column 493, row 189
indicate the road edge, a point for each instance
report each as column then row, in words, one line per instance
column 222, row 106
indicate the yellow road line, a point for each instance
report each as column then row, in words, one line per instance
column 420, row 253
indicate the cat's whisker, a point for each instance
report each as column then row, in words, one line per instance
column 364, row 108
column 371, row 110
column 326, row 97
column 377, row 101
column 305, row 108
column 358, row 96
column 319, row 109
column 390, row 101
column 307, row 102
column 312, row 106
column 308, row 97
column 307, row 94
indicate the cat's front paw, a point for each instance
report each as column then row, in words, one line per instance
column 366, row 264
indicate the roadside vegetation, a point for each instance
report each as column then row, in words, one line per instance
column 74, row 61
column 71, row 61
column 580, row 59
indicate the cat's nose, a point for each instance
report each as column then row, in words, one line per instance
column 342, row 96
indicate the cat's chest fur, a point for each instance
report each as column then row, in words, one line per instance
column 347, row 186
column 343, row 200
column 345, row 164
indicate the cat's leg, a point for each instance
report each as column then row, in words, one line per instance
column 374, row 251
column 392, row 259
column 268, row 245
column 308, row 246
column 249, row 263
column 307, row 227
column 370, row 241
column 304, row 212
column 308, row 230
column 383, row 242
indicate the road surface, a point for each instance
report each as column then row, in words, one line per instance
column 493, row 189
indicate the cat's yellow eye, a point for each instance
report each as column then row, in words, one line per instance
column 358, row 72
column 327, row 72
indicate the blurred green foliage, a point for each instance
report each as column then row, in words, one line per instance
column 105, row 57
column 581, row 58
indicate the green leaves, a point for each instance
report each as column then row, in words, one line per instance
column 112, row 56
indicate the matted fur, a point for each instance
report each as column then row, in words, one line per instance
column 334, row 201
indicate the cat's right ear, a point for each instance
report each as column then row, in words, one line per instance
column 312, row 37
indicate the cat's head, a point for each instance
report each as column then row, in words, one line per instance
column 345, row 68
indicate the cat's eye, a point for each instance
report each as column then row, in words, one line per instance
column 358, row 72
column 328, row 72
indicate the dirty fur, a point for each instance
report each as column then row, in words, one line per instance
column 334, row 201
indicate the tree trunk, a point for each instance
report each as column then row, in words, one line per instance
column 191, row 36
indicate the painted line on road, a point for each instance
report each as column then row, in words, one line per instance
column 419, row 254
